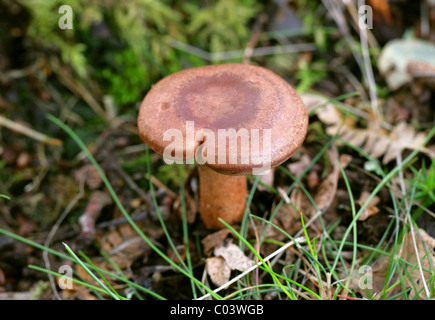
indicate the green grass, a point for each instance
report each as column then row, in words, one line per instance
column 322, row 266
column 319, row 270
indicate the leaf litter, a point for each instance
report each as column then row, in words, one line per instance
column 324, row 194
column 376, row 141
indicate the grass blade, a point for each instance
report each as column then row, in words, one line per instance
column 115, row 198
column 102, row 285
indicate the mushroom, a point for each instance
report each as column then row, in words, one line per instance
column 233, row 119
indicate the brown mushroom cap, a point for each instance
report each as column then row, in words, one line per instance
column 227, row 96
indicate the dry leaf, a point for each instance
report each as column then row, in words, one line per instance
column 234, row 257
column 123, row 245
column 327, row 188
column 371, row 208
column 375, row 142
column 344, row 160
column 228, row 257
column 403, row 136
column 218, row 270
column 214, row 239
column 289, row 217
column 425, row 245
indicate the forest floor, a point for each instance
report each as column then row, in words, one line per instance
column 353, row 208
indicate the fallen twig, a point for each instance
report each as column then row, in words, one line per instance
column 17, row 127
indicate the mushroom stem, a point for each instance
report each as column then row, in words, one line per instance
column 221, row 196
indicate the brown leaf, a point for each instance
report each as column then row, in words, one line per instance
column 327, row 188
column 323, row 197
column 425, row 245
column 227, row 257
column 377, row 142
column 344, row 160
column 371, row 208
column 214, row 239
column 218, row 270
column 123, row 247
column 234, row 257
column 123, row 243
column 402, row 137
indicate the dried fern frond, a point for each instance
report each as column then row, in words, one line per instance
column 377, row 142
